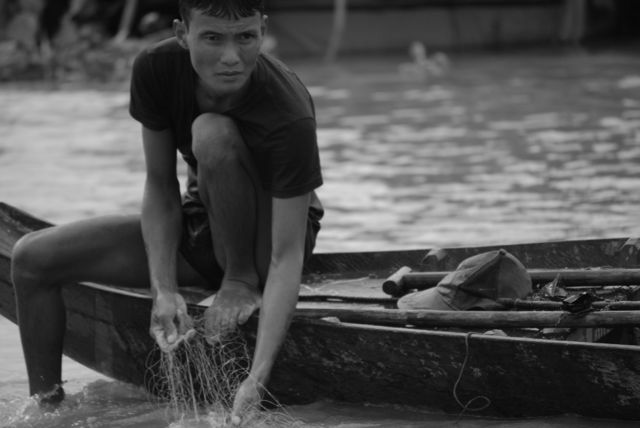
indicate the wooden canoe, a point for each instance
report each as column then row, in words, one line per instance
column 348, row 343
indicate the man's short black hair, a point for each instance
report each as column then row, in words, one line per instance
column 230, row 9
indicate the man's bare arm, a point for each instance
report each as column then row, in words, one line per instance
column 161, row 229
column 280, row 296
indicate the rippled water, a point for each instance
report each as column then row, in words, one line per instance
column 503, row 148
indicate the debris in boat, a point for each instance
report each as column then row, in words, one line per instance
column 555, row 332
column 495, row 332
column 553, row 290
column 433, row 259
column 579, row 303
column 591, row 335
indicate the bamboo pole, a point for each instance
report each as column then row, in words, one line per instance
column 397, row 286
column 501, row 304
column 473, row 319
column 538, row 305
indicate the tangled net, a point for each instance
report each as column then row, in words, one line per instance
column 199, row 382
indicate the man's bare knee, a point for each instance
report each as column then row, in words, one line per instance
column 29, row 262
column 215, row 139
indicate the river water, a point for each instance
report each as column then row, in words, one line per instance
column 501, row 148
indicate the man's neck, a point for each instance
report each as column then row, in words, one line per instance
column 208, row 100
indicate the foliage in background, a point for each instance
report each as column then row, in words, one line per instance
column 39, row 42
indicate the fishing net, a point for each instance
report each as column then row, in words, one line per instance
column 199, row 382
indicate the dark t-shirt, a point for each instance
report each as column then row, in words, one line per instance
column 276, row 118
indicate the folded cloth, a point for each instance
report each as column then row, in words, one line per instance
column 477, row 283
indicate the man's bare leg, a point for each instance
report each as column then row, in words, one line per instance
column 108, row 250
column 239, row 215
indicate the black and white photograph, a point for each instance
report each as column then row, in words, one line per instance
column 319, row 213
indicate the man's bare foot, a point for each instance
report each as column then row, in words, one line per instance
column 233, row 305
column 50, row 400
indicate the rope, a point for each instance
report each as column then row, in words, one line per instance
column 467, row 406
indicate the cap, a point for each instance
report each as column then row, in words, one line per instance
column 477, row 283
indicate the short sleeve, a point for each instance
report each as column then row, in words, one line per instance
column 147, row 104
column 294, row 159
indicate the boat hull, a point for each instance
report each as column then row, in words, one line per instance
column 107, row 330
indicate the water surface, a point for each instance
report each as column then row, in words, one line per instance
column 501, row 149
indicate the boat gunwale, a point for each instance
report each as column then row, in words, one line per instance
column 404, row 330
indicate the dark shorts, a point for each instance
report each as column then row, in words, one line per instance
column 197, row 247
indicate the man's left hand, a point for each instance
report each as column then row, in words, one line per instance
column 247, row 400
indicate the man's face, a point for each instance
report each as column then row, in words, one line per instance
column 223, row 51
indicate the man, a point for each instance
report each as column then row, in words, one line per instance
column 245, row 126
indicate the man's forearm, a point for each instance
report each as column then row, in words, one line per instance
column 278, row 305
column 161, row 230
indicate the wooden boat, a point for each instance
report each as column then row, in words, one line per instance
column 350, row 345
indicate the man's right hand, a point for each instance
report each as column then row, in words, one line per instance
column 169, row 319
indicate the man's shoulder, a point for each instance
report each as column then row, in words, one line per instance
column 284, row 89
column 272, row 70
column 164, row 47
column 159, row 74
column 274, row 63
column 165, row 59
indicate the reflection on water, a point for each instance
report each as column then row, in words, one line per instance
column 502, row 149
